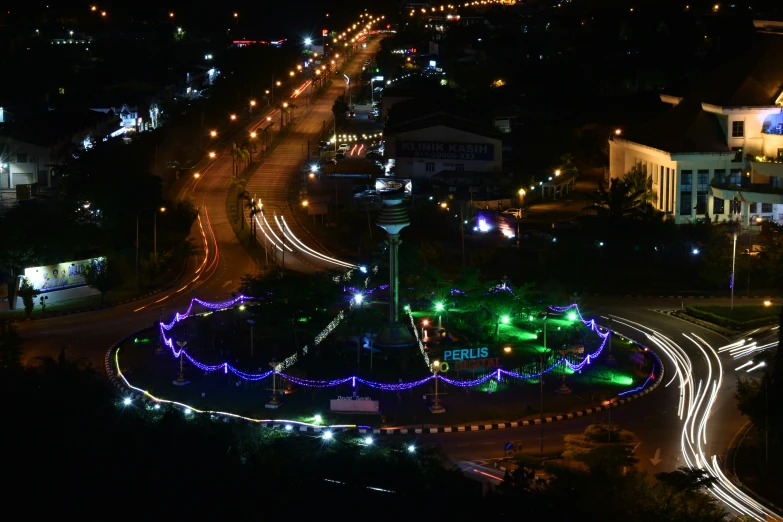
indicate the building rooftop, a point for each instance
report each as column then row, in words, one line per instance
column 51, row 127
column 445, row 119
column 754, row 79
column 415, row 86
column 683, row 128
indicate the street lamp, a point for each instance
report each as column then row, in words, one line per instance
column 233, row 117
column 282, row 213
column 436, row 407
column 212, row 154
column 155, row 238
column 213, row 134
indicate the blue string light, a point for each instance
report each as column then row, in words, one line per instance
column 495, row 374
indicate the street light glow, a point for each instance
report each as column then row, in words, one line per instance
column 438, row 306
column 212, row 154
column 411, row 448
column 368, row 440
column 571, row 316
column 504, row 319
column 126, row 401
column 358, row 298
column 308, row 41
column 328, row 435
column 253, row 134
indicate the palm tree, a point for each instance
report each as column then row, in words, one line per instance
column 252, row 208
column 239, row 185
column 620, row 202
column 238, row 154
column 640, row 182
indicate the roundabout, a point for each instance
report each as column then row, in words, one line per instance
column 228, row 384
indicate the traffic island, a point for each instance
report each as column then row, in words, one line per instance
column 478, row 387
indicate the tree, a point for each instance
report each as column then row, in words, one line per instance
column 28, row 294
column 339, row 108
column 567, row 166
column 10, row 347
column 618, row 203
column 640, row 183
column 99, row 275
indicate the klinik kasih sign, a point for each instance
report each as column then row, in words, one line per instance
column 445, row 150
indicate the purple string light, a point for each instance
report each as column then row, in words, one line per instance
column 496, row 374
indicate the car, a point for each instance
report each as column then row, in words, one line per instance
column 516, row 212
column 563, row 224
column 351, row 114
column 343, row 148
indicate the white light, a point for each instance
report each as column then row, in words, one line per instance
column 483, row 226
column 411, row 448
column 695, row 251
column 368, row 440
column 188, row 411
column 126, row 401
column 314, row 167
column 288, row 427
column 328, row 435
column 363, row 269
column 308, row 41
column 358, row 298
column 317, row 419
column 157, row 406
column 601, row 243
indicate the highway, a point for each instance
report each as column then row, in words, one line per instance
column 689, row 421
column 274, row 179
column 220, row 261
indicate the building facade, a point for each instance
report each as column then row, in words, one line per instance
column 422, row 148
column 718, row 153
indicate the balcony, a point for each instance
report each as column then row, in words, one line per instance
column 754, row 193
column 762, row 168
column 772, row 142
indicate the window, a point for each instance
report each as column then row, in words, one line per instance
column 702, row 187
column 738, row 129
column 780, row 154
column 766, row 208
column 752, row 209
column 21, row 157
column 459, row 167
column 737, row 154
column 735, row 177
column 429, row 167
column 686, row 192
column 720, row 176
column 774, row 182
column 717, row 206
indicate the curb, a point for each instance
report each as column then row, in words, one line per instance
column 719, row 296
column 735, row 477
column 94, row 308
column 535, row 422
column 403, row 430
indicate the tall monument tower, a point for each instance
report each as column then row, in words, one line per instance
column 393, row 219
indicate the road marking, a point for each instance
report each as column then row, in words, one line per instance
column 657, row 459
column 636, row 446
column 227, row 283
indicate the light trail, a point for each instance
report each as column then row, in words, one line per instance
column 286, row 230
column 698, row 404
column 263, row 231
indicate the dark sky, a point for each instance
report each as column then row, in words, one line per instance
column 272, row 19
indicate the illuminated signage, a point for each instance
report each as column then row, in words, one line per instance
column 324, row 32
column 383, row 185
column 442, row 150
column 469, row 359
column 57, row 277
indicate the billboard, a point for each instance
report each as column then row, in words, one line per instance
column 390, row 184
column 58, row 277
column 445, row 150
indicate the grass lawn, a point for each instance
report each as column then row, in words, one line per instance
column 491, row 401
column 741, row 313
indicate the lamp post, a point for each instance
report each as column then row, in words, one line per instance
column 155, row 239
column 252, row 324
column 436, row 407
column 282, row 213
column 180, row 380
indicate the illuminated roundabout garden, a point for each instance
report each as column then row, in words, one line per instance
column 218, row 359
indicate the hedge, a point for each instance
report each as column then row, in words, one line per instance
column 729, row 323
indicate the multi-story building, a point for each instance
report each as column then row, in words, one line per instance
column 719, row 151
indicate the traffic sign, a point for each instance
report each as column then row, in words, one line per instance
column 508, row 446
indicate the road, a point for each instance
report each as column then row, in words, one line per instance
column 272, row 181
column 220, row 261
column 689, row 421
